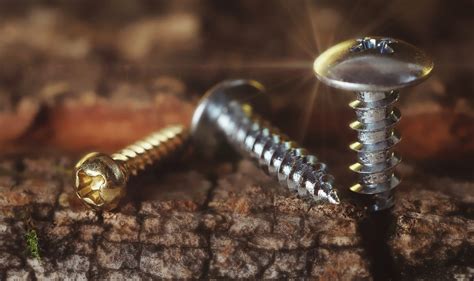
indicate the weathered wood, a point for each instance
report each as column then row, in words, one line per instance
column 240, row 225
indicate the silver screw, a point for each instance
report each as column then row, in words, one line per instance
column 375, row 68
column 227, row 110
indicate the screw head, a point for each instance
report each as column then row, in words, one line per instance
column 99, row 181
column 372, row 64
column 216, row 100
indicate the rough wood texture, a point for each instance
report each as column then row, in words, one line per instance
column 98, row 75
column 240, row 224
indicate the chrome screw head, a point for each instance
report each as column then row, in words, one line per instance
column 215, row 101
column 373, row 64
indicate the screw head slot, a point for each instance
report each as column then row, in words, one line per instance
column 99, row 181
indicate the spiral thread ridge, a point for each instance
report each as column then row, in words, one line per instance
column 152, row 149
column 376, row 119
column 276, row 154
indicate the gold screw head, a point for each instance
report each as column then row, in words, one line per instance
column 100, row 181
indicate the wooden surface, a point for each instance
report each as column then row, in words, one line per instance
column 237, row 224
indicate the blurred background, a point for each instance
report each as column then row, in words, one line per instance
column 82, row 75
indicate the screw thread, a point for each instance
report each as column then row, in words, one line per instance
column 152, row 149
column 276, row 154
column 376, row 118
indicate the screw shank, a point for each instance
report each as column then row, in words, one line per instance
column 276, row 154
column 376, row 119
column 152, row 149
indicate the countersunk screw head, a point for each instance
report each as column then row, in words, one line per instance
column 100, row 181
column 373, row 64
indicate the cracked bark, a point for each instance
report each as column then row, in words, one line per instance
column 244, row 226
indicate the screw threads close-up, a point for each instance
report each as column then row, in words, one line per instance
column 276, row 154
column 151, row 149
column 376, row 119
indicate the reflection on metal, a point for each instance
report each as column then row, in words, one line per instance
column 227, row 111
column 375, row 68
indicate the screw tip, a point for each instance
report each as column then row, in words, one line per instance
column 330, row 197
column 333, row 198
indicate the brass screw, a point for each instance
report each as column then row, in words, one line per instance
column 100, row 179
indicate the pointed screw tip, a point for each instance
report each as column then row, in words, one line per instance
column 334, row 199
column 331, row 198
